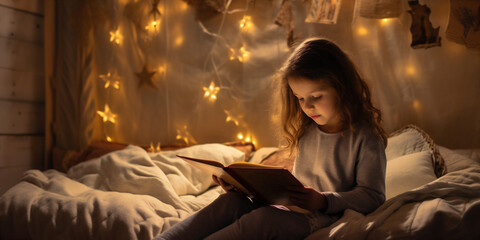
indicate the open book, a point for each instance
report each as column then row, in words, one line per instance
column 267, row 184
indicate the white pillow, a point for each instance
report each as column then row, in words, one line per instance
column 406, row 141
column 408, row 172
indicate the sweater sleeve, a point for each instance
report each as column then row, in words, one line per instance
column 369, row 193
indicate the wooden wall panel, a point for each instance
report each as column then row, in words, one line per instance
column 21, row 117
column 19, row 85
column 21, row 25
column 33, row 6
column 21, row 151
column 21, row 56
column 11, row 176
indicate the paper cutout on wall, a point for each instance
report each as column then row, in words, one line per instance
column 285, row 19
column 380, row 8
column 464, row 23
column 423, row 33
column 323, row 11
column 146, row 77
column 206, row 9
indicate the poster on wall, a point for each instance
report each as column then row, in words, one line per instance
column 323, row 11
column 424, row 35
column 464, row 23
column 379, row 8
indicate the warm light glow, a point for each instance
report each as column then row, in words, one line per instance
column 384, row 21
column 240, row 136
column 242, row 54
column 116, row 37
column 211, row 92
column 410, row 70
column 109, row 80
column 162, row 69
column 416, row 105
column 153, row 26
column 246, row 137
column 246, row 23
column 178, row 41
column 362, row 31
column 185, row 135
column 183, row 6
column 109, row 139
column 231, row 118
column 107, row 115
column 154, row 149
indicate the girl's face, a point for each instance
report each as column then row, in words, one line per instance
column 318, row 101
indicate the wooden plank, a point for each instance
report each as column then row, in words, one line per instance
column 21, row 151
column 11, row 176
column 21, row 117
column 34, row 6
column 20, row 85
column 21, row 25
column 49, row 46
column 21, row 56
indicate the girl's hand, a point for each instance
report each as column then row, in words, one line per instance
column 307, row 198
column 227, row 187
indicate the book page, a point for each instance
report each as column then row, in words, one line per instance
column 252, row 165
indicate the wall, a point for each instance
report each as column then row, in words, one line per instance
column 437, row 88
column 21, row 89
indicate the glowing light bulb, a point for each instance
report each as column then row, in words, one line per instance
column 109, row 139
column 410, row 70
column 242, row 54
column 211, row 91
column 107, row 115
column 110, row 80
column 246, row 23
column 116, row 37
column 178, row 41
column 240, row 136
column 384, row 21
column 362, row 31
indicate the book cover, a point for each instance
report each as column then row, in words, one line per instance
column 267, row 184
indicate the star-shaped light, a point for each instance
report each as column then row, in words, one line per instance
column 154, row 149
column 231, row 118
column 246, row 23
column 107, row 115
column 246, row 138
column 110, row 80
column 116, row 37
column 185, row 135
column 146, row 77
column 242, row 54
column 154, row 21
column 211, row 91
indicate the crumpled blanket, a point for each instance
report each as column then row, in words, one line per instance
column 447, row 208
column 127, row 194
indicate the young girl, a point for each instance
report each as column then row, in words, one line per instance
column 329, row 122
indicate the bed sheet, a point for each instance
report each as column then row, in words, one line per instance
column 126, row 194
column 447, row 208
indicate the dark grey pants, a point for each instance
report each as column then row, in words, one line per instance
column 234, row 216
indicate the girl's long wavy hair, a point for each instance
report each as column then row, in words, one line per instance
column 319, row 59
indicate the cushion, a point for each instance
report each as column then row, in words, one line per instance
column 408, row 172
column 411, row 139
column 64, row 160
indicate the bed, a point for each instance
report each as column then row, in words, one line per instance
column 120, row 191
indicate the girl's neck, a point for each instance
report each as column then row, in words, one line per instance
column 331, row 129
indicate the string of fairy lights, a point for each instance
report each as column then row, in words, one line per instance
column 112, row 81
